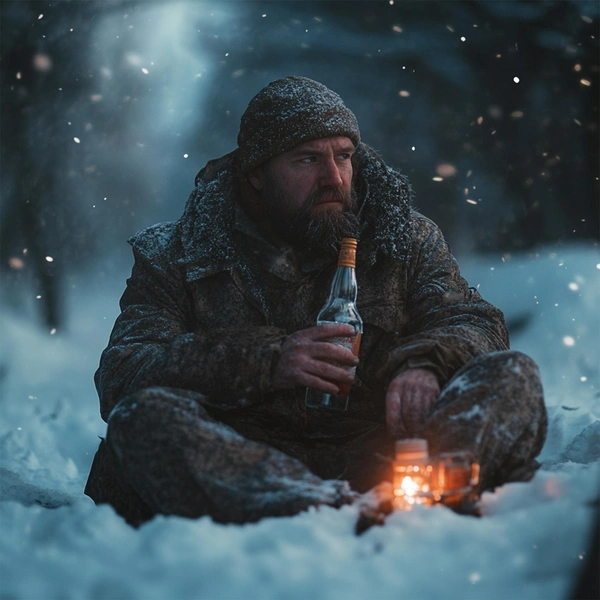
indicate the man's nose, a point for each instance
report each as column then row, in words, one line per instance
column 330, row 174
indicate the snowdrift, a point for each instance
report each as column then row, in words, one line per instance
column 531, row 542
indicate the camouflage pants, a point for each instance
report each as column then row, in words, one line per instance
column 164, row 453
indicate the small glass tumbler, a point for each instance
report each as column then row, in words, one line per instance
column 457, row 479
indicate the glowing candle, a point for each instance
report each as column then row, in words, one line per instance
column 413, row 474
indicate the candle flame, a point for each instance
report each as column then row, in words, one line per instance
column 409, row 486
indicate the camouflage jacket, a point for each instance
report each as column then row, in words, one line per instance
column 210, row 302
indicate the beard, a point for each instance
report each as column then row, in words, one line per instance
column 313, row 230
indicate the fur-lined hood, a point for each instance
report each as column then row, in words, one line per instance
column 205, row 228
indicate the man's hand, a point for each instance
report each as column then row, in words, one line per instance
column 308, row 359
column 409, row 400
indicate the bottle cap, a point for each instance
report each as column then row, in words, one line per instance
column 347, row 256
column 412, row 449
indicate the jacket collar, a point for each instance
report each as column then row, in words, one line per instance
column 207, row 222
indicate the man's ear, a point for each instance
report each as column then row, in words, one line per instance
column 256, row 178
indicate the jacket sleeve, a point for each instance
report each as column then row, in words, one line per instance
column 448, row 323
column 153, row 343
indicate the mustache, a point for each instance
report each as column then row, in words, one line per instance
column 337, row 194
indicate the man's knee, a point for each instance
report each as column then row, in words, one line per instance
column 493, row 363
column 152, row 413
column 499, row 395
column 514, row 361
column 507, row 371
column 135, row 417
column 158, row 399
column 522, row 380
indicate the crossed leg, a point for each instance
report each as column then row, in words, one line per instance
column 175, row 458
column 165, row 454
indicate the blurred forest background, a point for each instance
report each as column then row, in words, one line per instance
column 109, row 109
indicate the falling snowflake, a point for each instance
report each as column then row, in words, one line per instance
column 474, row 577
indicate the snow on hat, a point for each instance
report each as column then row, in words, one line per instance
column 289, row 112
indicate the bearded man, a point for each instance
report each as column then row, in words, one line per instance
column 202, row 384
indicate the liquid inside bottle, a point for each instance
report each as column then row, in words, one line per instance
column 340, row 308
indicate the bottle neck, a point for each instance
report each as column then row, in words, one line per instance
column 344, row 284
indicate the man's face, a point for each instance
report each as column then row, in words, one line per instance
column 308, row 193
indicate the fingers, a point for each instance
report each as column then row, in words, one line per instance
column 320, row 375
column 317, row 383
column 317, row 343
column 410, row 400
column 415, row 408
column 323, row 347
column 393, row 413
column 310, row 361
column 326, row 370
column 330, row 352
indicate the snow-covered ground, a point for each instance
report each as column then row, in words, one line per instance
column 530, row 543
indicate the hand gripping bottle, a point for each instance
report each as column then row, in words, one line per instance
column 340, row 308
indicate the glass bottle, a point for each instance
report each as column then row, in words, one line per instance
column 413, row 474
column 340, row 308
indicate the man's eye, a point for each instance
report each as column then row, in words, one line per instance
column 344, row 156
column 307, row 159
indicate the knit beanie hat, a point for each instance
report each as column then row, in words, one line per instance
column 289, row 112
